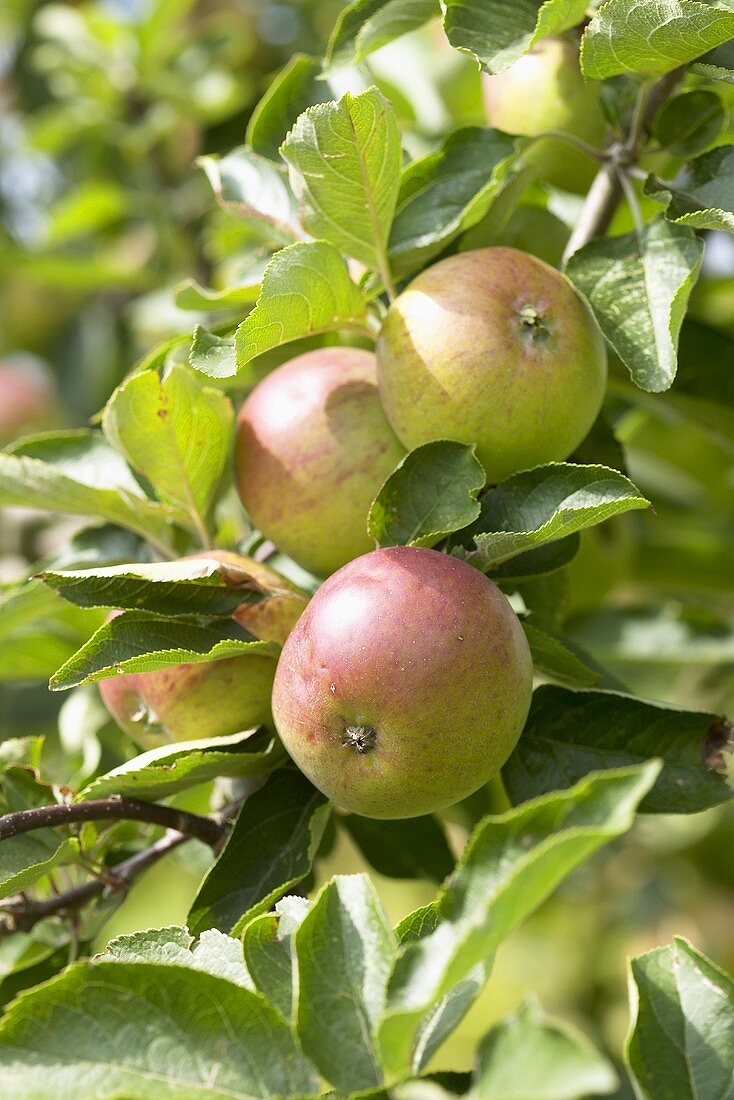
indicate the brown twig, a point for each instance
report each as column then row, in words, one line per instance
column 20, row 914
column 117, row 809
column 607, row 190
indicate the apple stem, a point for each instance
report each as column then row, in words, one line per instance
column 583, row 146
column 598, row 210
column 607, row 191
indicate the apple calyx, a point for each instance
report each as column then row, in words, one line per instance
column 532, row 322
column 360, row 738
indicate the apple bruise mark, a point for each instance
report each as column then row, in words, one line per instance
column 362, row 739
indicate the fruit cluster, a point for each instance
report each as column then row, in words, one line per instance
column 405, row 658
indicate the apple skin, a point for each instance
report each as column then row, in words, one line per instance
column 493, row 347
column 545, row 90
column 313, row 448
column 27, row 398
column 272, row 618
column 405, row 684
column 188, row 702
column 191, row 701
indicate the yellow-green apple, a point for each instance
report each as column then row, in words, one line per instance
column 492, row 347
column 190, row 701
column 405, row 684
column 313, row 448
column 187, row 702
column 545, row 90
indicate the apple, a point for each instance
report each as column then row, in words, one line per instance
column 191, row 701
column 492, row 347
column 545, row 90
column 273, row 617
column 405, row 684
column 27, row 397
column 313, row 448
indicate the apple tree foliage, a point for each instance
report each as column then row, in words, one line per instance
column 275, row 988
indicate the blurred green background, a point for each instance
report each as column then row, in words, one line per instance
column 104, row 107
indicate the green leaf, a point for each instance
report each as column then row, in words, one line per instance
column 529, row 1056
column 171, row 944
column 26, row 859
column 214, row 953
column 36, row 635
column 666, row 634
column 570, row 733
column 174, row 431
column 682, row 1041
column 213, row 355
column 532, row 564
column 35, row 652
column 702, row 195
column 639, row 290
column 447, row 1014
column 544, row 504
column 498, row 34
column 306, row 289
column 418, row 924
column 267, row 941
column 704, row 397
column 28, row 962
column 29, row 857
column 106, row 1028
column 651, row 36
column 718, row 64
column 344, row 163
column 365, row 25
column 432, row 492
column 92, row 206
column 163, row 354
column 270, row 849
column 166, row 769
column 553, row 658
column 23, row 603
column 96, row 546
column 78, row 473
column 191, row 295
column 690, row 122
column 546, row 598
column 137, row 641
column 345, row 950
column 296, row 87
column 257, row 192
column 415, row 848
column 445, row 193
column 24, row 751
column 511, row 864
column 193, row 586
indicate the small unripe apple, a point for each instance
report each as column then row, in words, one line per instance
column 191, row 701
column 313, row 449
column 405, row 684
column 545, row 90
column 493, row 347
column 27, row 398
